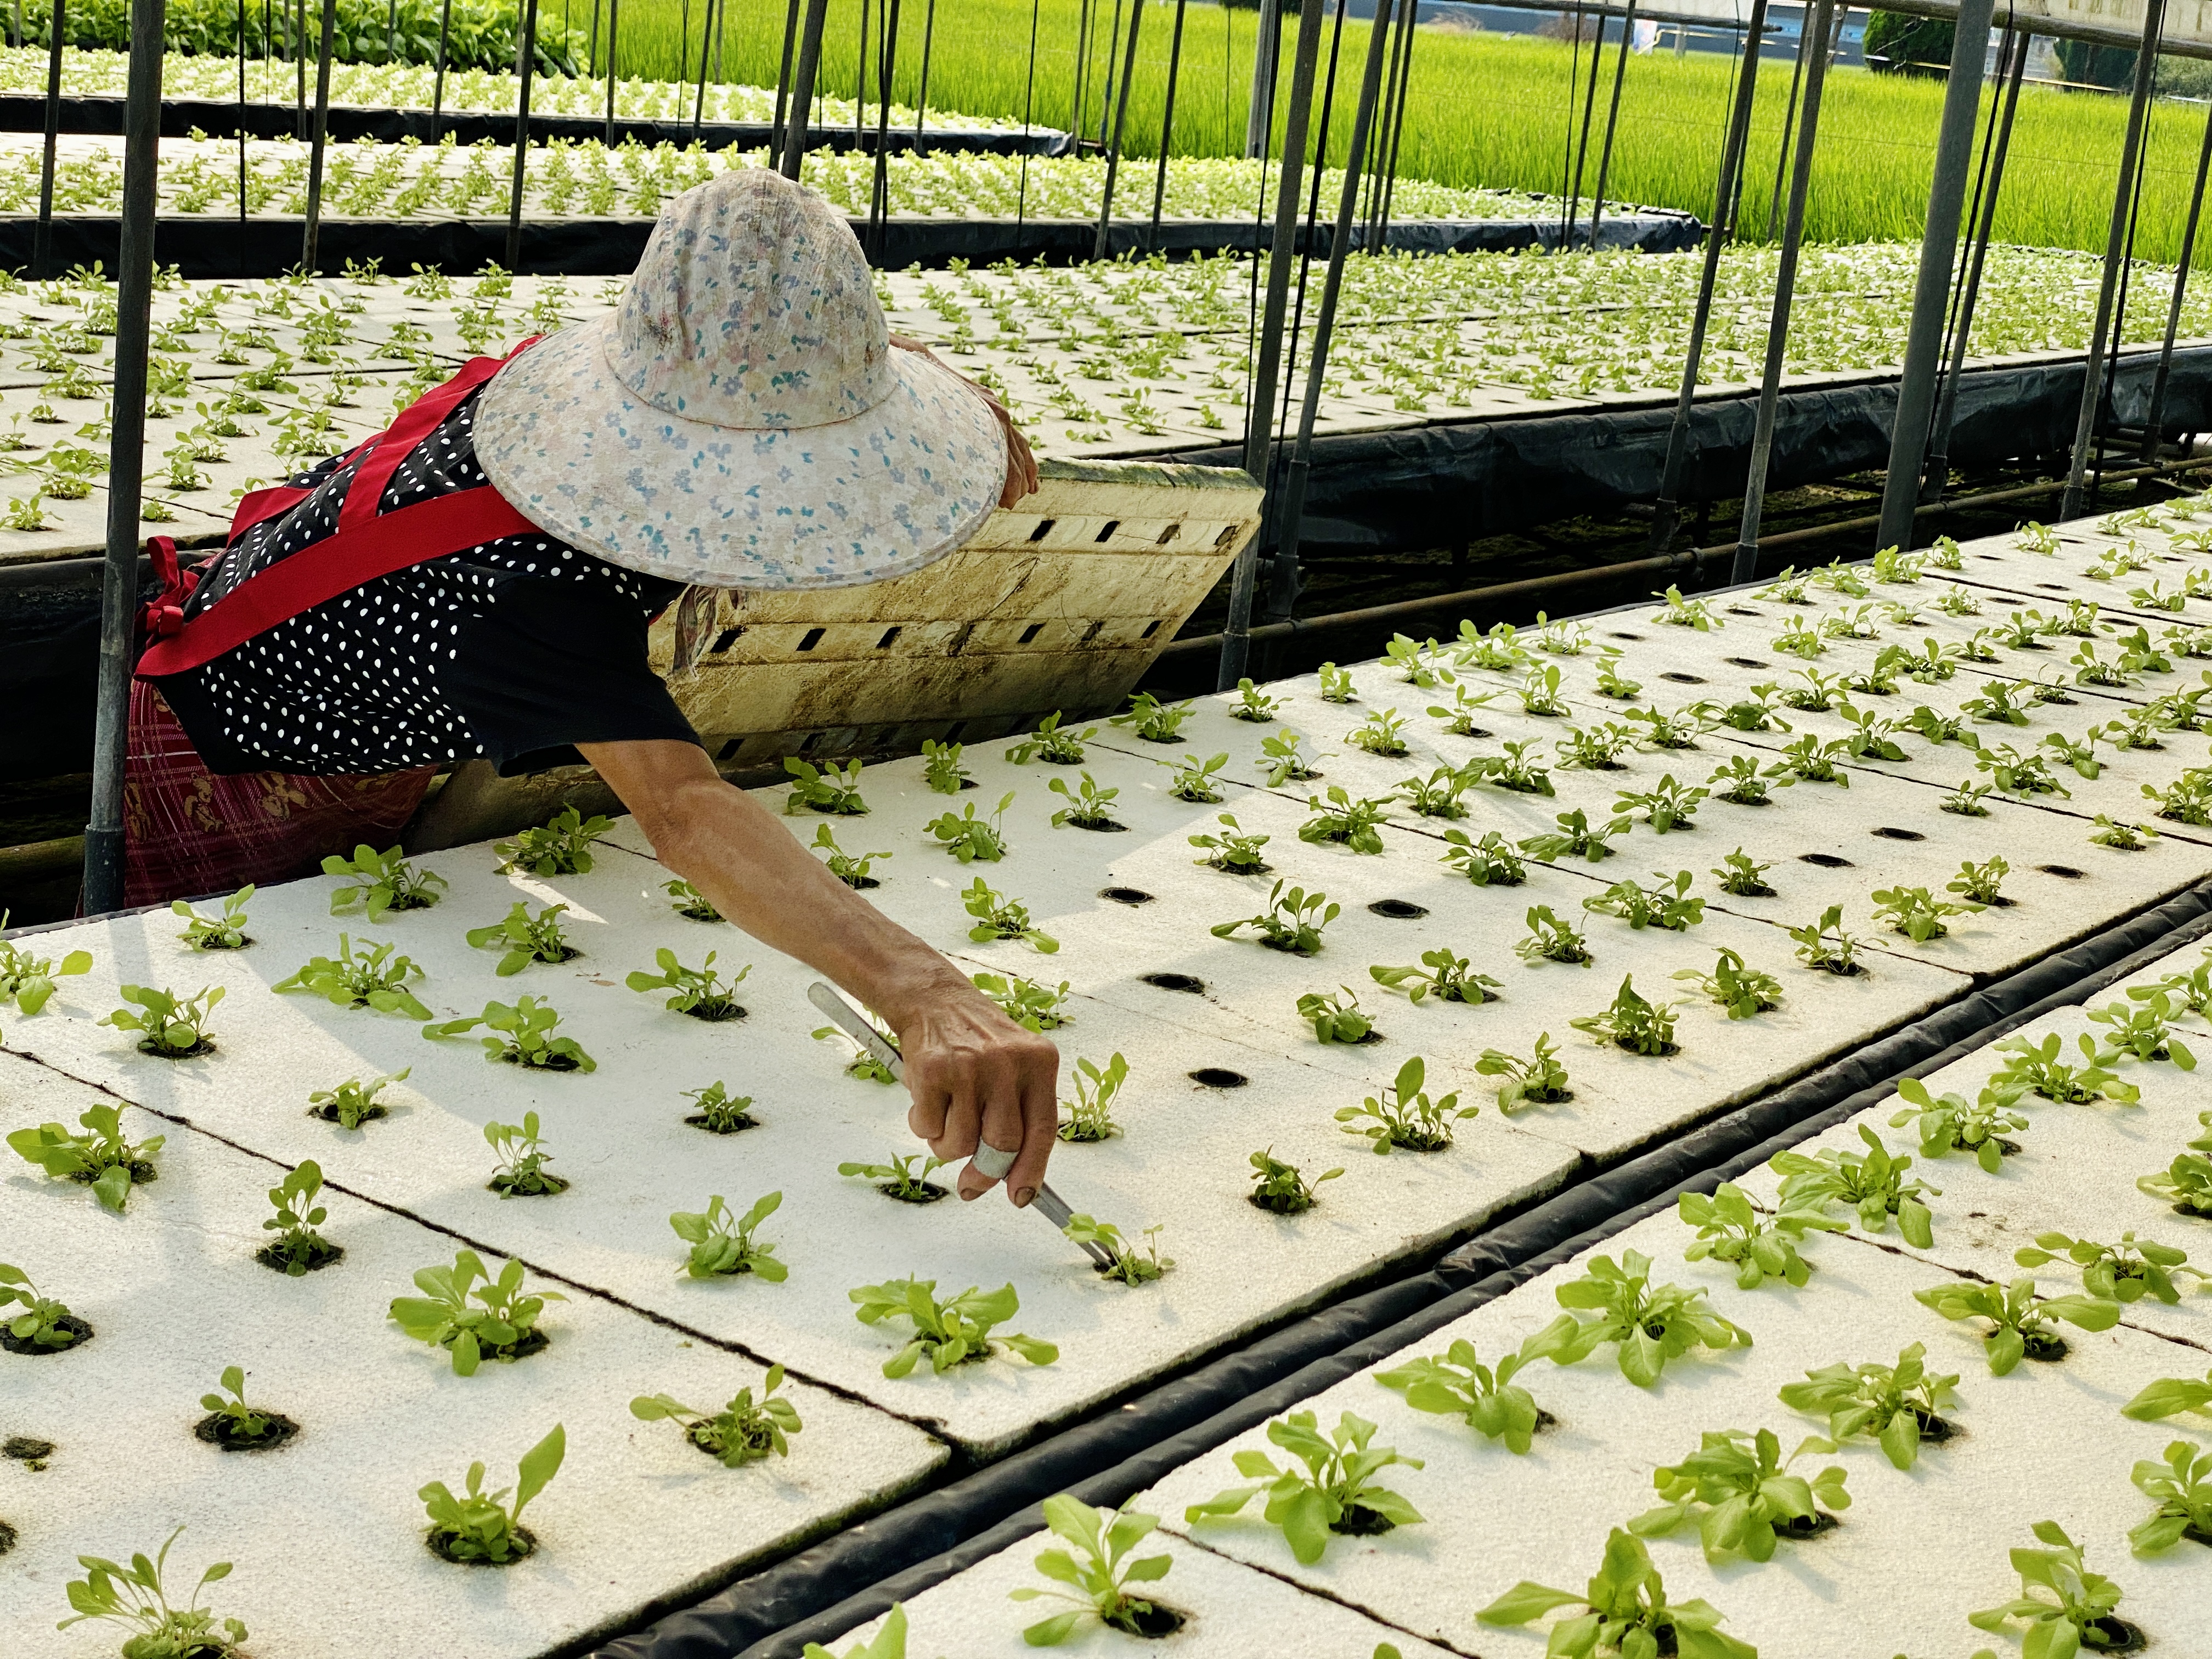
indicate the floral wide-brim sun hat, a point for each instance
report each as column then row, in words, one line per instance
column 742, row 419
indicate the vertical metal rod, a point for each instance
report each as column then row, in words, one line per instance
column 802, row 90
column 592, row 57
column 1574, row 204
column 2155, row 420
column 1080, row 95
column 1785, row 280
column 1029, row 109
column 2127, row 274
column 1259, row 408
column 43, row 239
column 1939, row 253
column 1612, row 121
column 1106, row 100
column 782, row 80
column 438, row 86
column 1397, row 126
column 1167, row 128
column 127, row 460
column 614, row 20
column 879, row 191
column 1312, row 218
column 859, row 76
column 1734, row 146
column 705, row 37
column 1121, row 120
column 298, row 23
column 2093, row 367
column 1374, row 190
column 922, row 93
column 525, row 67
column 318, row 139
column 242, row 137
column 1266, row 50
column 1789, row 118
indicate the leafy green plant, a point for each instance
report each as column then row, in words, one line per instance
column 226, row 931
column 1947, row 1123
column 1739, row 1487
column 298, row 1250
column 2121, row 836
column 2169, row 1397
column 354, row 1103
column 382, row 883
column 1458, row 716
column 1550, row 940
column 1874, row 1183
column 1337, row 1017
column 560, row 847
column 1032, row 1006
column 2016, row 773
column 1575, row 837
column 1916, row 914
column 1133, row 1263
column 526, row 1038
column 1403, row 1115
column 851, row 868
column 2141, row 1032
column 1335, row 1492
column 1869, row 738
column 1538, row 692
column 1100, row 1572
column 1967, row 800
column 959, row 1330
column 2181, row 1486
column 1629, row 1021
column 1292, row 922
column 1284, row 761
column 1811, row 761
column 719, row 1112
column 1194, row 779
column 1438, row 795
column 999, row 917
column 864, row 1064
column 1415, row 659
column 171, row 1027
column 1895, row 1405
column 689, row 901
column 371, row 977
column 2020, row 1321
column 1594, row 747
column 1090, row 1114
column 1800, row 640
column 1089, row 806
column 1650, row 1324
column 1977, row 884
column 1626, row 1612
column 1760, row 1244
column 969, row 838
column 1824, row 946
column 44, row 1321
column 1456, row 1384
column 1232, row 850
column 743, row 1431
column 522, row 938
column 522, row 1159
column 941, row 768
column 899, row 1178
column 2124, row 1273
column 133, row 1597
column 2065, row 1606
column 1335, row 683
column 1253, row 704
column 1667, row 805
column 1740, row 875
column 1278, row 1188
column 26, row 979
column 1666, row 904
column 2032, row 1067
column 1539, row 1080
column 471, row 1315
column 1682, row 612
column 102, row 1158
column 1611, row 682
column 1755, row 712
column 826, row 788
column 722, row 1244
column 1047, row 741
column 1383, row 733
column 1515, row 770
column 1680, row 729
column 699, row 992
column 1817, row 695
column 1344, row 821
column 1442, row 974
column 1153, row 720
column 1488, row 862
column 478, row 1526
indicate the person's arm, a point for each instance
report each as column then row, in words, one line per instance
column 969, row 1069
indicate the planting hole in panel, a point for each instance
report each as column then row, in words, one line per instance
column 1745, row 662
column 890, row 635
column 1092, row 632
column 1227, row 531
column 1401, row 910
column 813, row 637
column 1150, row 628
column 1031, row 633
column 724, row 641
column 1888, row 833
column 1126, row 895
column 1680, row 679
column 2066, row 871
column 1173, row 532
column 1111, row 526
column 1218, row 1077
column 1619, row 636
column 1043, row 529
column 1826, row 860
column 1744, row 611
column 1176, row 982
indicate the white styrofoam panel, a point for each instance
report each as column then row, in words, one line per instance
column 326, row 1531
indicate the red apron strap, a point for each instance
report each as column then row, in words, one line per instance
column 416, row 422
column 165, row 614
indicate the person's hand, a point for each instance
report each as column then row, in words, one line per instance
column 977, row 1077
column 1021, row 463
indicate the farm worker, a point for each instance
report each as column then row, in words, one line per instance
column 478, row 580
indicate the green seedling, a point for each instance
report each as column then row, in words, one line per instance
column 1415, row 661
column 1594, row 747
column 722, row 1245
column 1540, row 692
column 1195, row 780
column 1760, row 1244
column 133, row 1597
column 1666, row 904
column 1253, row 704
column 2169, row 1396
column 1936, row 728
column 2020, row 1321
column 1575, row 837
column 2016, row 773
column 1292, row 922
column 1650, row 1324
column 1873, row 1183
column 1539, row 1080
column 2124, row 1273
column 1740, row 875
column 1278, row 1187
column 1090, row 1114
column 2066, row 1607
column 719, row 1112
column 241, row 1424
column 2121, row 836
column 1817, row 696
column 1335, row 683
column 2187, row 800
column 1089, row 806
column 1967, row 800
column 2080, row 753
column 1499, row 650
column 1799, row 639
column 1438, row 796
column 1948, row 1124
column 890, row 1642
column 969, row 838
column 899, row 1178
column 1747, row 782
column 851, row 868
column 1459, row 715
column 827, row 789
column 1050, row 745
column 2186, row 1184
column 2191, row 989
column 1611, row 682
column 1682, row 612
column 743, row 1431
column 1335, row 1492
column 1488, row 862
column 1824, row 946
column 1755, row 712
column 1344, row 822
column 27, row 981
column 688, row 900
column 941, row 768
column 1456, row 1384
column 1099, row 1572
column 354, row 1103
column 1895, row 1406
column 171, row 1027
column 102, row 1157
column 42, row 1321
column 1032, row 1006
column 471, row 1315
column 560, row 847
column 1625, row 1612
column 2141, row 1032
column 1977, row 884
column 1441, row 974
column 1133, row 1263
column 522, row 938
column 2181, row 1486
column 382, row 882
column 371, row 977
column 959, row 1330
column 1667, row 805
column 998, row 917
column 1336, row 1017
column 1916, row 914
column 1679, row 729
column 522, row 1159
column 1515, row 770
column 1382, row 733
column 1869, row 738
column 1153, row 720
column 226, row 931
column 1231, row 851
column 2006, row 702
column 479, row 1526
column 1284, row 761
column 864, row 1064
column 1742, row 990
column 1811, row 761
column 1632, row 1023
column 1739, row 1487
column 1404, row 1115
column 525, row 1036
column 298, row 1250
column 2035, row 1067
column 1551, row 940
column 699, row 992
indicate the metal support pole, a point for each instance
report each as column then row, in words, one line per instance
column 861, row 77
column 299, row 22
column 1733, row 147
column 1939, row 252
column 880, row 190
column 2155, row 420
column 242, row 137
column 1167, row 127
column 783, row 79
column 1612, row 121
column 438, row 86
column 127, row 460
column 1785, row 281
column 2093, row 367
column 1789, row 115
column 706, row 40
column 1106, row 99
column 802, row 90
column 42, row 241
column 1397, row 126
column 1582, row 148
column 1266, row 48
column 525, row 64
column 1121, row 120
column 318, row 138
column 922, row 93
column 1259, row 410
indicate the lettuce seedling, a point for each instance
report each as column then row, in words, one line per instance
column 560, row 847
column 522, row 1160
column 1895, row 1405
column 1337, row 1017
column 1278, row 1187
column 1742, row 990
column 1594, row 747
column 1995, row 704
column 1344, row 822
column 2186, row 1184
column 44, row 1322
column 1747, row 782
column 1755, row 712
column 1817, row 696
column 1651, row 1324
column 2187, row 800
column 1666, row 904
column 1682, row 612
column 1913, row 912
column 698, row 991
column 1292, row 922
column 1977, row 884
column 1739, row 876
column 479, row 1526
column 827, row 789
column 2182, row 1488
column 1489, row 862
column 1539, row 1080
column 101, row 1158
column 1575, row 837
column 1947, row 1124
column 1458, row 716
column 1441, row 974
column 1133, row 1263
column 1551, row 940
column 890, row 1642
column 527, row 1039
column 1611, row 682
column 1456, row 1384
column 1049, row 743
column 1335, row 683
column 473, row 1316
column 1335, row 1493
column 1153, row 720
column 235, row 1424
column 1739, row 1486
column 1679, row 730
column 371, row 977
column 999, row 917
column 941, row 768
column 298, row 1250
column 2141, row 1032
column 1404, row 1114
column 1284, row 761
column 1874, row 1183
column 1631, row 1022
column 969, row 837
column 1253, row 704
column 2122, row 836
column 2016, row 773
column 1090, row 1114
column 1032, row 1006
column 1089, row 806
column 1762, row 1245
column 1100, row 1572
column 27, row 981
column 1667, row 805
column 743, row 1431
column 133, row 1597
column 172, row 1027
column 1800, row 640
column 2065, row 1606
column 382, row 883
column 1194, row 779
column 1811, row 761
column 899, row 1179
column 2167, row 1397
column 523, row 939
column 2020, row 1320
column 689, row 901
column 719, row 1112
column 864, row 1064
column 1515, row 770
column 2125, row 1273
column 2035, row 1067
column 224, row 933
column 1824, row 946
column 1936, row 728
column 960, row 1330
column 1415, row 660
column 723, row 1244
column 1231, row 851
column 1870, row 737
column 1627, row 1612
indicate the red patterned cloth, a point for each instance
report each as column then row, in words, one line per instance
column 187, row 831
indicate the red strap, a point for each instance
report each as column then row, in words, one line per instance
column 383, row 454
column 165, row 614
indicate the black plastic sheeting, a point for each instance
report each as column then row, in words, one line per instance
column 1441, row 485
column 23, row 112
column 810, row 1596
column 210, row 245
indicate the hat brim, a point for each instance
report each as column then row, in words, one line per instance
column 857, row 500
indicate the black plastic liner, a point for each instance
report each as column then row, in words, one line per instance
column 210, row 245
column 25, row 112
column 810, row 1596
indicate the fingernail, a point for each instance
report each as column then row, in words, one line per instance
column 1023, row 1195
